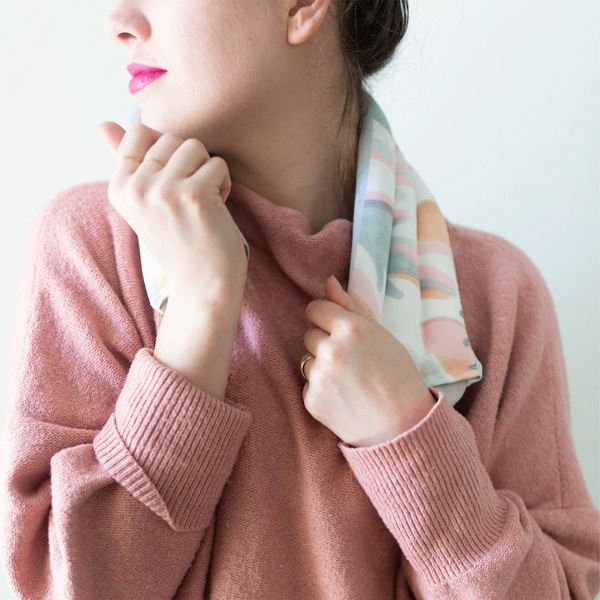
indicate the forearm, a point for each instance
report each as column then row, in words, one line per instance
column 196, row 339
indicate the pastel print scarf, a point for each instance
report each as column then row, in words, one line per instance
column 401, row 266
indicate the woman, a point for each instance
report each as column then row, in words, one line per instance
column 187, row 454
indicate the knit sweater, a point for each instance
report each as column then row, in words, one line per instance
column 120, row 479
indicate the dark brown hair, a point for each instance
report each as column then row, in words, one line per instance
column 369, row 32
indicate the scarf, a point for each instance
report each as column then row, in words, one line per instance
column 401, row 265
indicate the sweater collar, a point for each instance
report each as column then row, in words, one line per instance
column 282, row 234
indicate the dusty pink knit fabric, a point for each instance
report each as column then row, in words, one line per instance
column 122, row 480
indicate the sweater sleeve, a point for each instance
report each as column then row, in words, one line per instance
column 522, row 525
column 112, row 464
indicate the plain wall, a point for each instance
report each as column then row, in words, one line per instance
column 494, row 103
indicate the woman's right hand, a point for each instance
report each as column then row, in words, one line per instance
column 178, row 210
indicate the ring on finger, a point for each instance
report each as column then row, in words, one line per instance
column 303, row 362
column 170, row 143
column 156, row 159
column 145, row 158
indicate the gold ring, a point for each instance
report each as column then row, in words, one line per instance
column 156, row 159
column 134, row 158
column 304, row 361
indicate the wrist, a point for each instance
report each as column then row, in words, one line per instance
column 217, row 297
column 421, row 410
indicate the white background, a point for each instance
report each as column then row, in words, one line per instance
column 495, row 104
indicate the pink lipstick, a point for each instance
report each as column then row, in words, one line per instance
column 142, row 76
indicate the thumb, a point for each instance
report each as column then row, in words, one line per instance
column 112, row 134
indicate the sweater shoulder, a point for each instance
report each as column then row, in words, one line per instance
column 80, row 252
column 83, row 207
column 494, row 259
column 79, row 241
column 78, row 230
column 507, row 306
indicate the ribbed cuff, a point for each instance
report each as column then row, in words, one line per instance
column 171, row 444
column 433, row 493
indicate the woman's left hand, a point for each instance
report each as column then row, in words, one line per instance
column 362, row 384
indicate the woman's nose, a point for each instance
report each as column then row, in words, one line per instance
column 125, row 22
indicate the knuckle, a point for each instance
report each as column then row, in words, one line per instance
column 329, row 352
column 350, row 327
column 219, row 161
column 193, row 142
column 137, row 128
column 170, row 136
column 136, row 189
column 195, row 194
column 164, row 190
column 316, row 376
column 310, row 402
column 191, row 194
column 304, row 390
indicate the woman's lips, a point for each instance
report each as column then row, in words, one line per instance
column 143, row 79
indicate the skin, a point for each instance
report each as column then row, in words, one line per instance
column 240, row 81
column 362, row 384
column 258, row 82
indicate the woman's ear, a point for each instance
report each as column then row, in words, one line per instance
column 304, row 18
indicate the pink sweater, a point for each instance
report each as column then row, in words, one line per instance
column 122, row 480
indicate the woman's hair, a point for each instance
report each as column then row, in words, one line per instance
column 369, row 34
